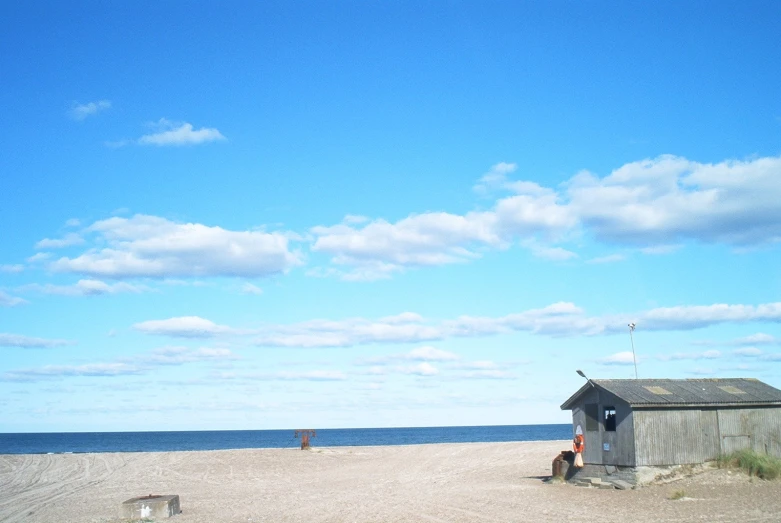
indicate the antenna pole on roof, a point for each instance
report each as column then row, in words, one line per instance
column 634, row 356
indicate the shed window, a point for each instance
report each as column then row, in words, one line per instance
column 592, row 417
column 610, row 419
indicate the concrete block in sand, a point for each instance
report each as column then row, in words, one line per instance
column 150, row 507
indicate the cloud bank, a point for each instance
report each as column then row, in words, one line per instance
column 27, row 342
column 562, row 319
column 651, row 204
column 150, row 246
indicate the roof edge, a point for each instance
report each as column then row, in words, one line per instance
column 641, row 406
column 567, row 405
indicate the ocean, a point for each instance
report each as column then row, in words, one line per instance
column 77, row 442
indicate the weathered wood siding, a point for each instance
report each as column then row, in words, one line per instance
column 710, row 433
column 757, row 429
column 672, row 437
column 621, row 442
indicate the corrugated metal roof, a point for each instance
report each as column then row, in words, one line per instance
column 705, row 392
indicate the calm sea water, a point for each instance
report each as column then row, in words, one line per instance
column 58, row 442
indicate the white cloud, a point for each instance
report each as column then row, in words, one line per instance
column 172, row 133
column 694, row 317
column 15, row 268
column 731, row 369
column 39, row 257
column 66, row 241
column 380, row 247
column 87, row 287
column 706, row 355
column 534, row 210
column 748, row 351
column 81, row 111
column 652, row 204
column 557, row 319
column 495, row 178
column 404, row 317
column 249, row 288
column 487, row 374
column 183, row 327
column 759, row 338
column 547, row 252
column 703, row 371
column 425, row 353
column 27, row 342
column 59, row 371
column 481, row 370
column 428, row 353
column 619, row 358
column 165, row 356
column 476, row 365
column 395, row 363
column 562, row 319
column 421, row 369
column 73, row 222
column 181, row 355
column 658, row 201
column 150, row 246
column 354, row 219
column 184, row 283
column 6, row 300
column 315, row 375
column 353, row 331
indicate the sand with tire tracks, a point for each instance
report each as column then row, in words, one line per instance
column 466, row 482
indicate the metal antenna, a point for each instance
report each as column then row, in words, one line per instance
column 634, row 356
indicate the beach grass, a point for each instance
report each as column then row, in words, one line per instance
column 762, row 466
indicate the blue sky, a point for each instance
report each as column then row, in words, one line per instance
column 349, row 214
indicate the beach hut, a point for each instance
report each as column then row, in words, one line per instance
column 663, row 422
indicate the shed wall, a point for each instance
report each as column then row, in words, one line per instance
column 621, row 442
column 758, row 429
column 673, row 437
column 711, row 442
column 593, row 451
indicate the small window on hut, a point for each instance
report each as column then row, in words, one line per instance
column 592, row 417
column 610, row 419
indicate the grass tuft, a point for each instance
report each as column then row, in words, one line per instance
column 759, row 465
column 678, row 494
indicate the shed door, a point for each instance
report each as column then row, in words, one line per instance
column 593, row 452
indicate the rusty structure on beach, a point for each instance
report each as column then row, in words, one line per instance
column 305, row 435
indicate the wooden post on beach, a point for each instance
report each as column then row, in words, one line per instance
column 305, row 435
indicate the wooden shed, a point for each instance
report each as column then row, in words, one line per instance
column 662, row 422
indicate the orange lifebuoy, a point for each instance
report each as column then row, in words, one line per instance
column 578, row 444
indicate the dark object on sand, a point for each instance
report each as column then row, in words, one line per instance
column 561, row 463
column 305, row 435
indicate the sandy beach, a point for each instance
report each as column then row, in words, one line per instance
column 444, row 482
